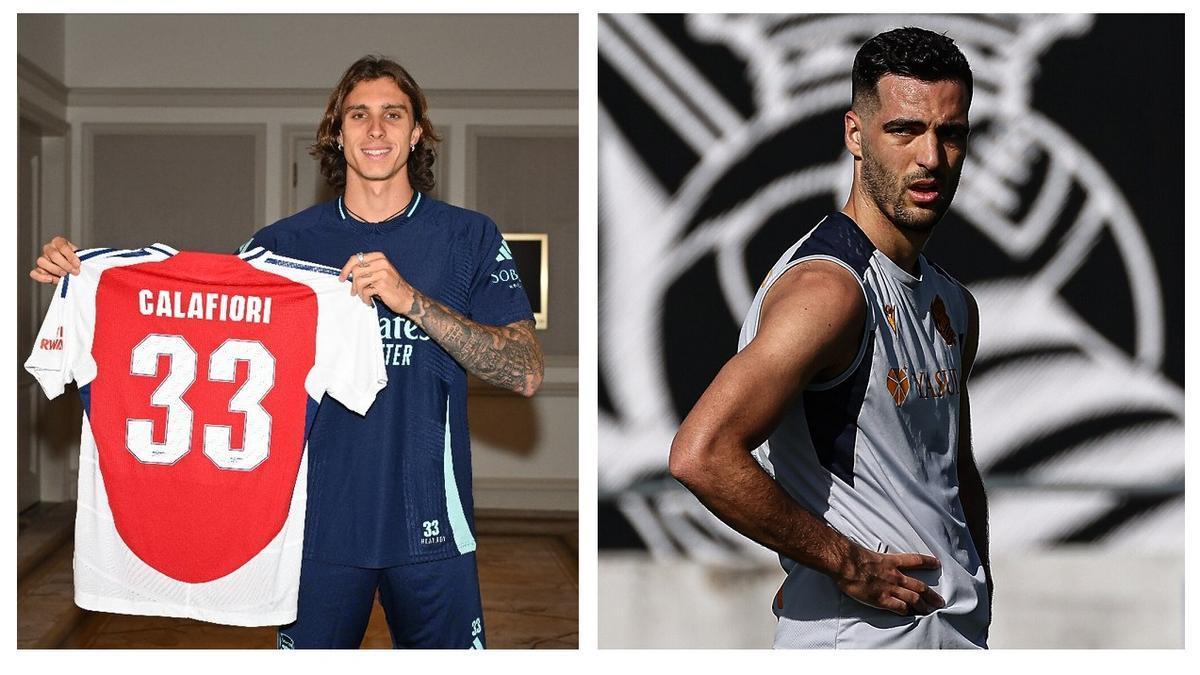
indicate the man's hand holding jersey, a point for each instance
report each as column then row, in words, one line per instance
column 374, row 276
column 509, row 356
column 811, row 325
column 57, row 259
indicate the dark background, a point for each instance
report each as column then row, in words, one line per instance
column 1118, row 90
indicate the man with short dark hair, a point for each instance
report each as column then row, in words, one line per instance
column 850, row 387
column 389, row 493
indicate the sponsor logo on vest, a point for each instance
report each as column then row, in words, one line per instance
column 897, row 383
column 936, row 384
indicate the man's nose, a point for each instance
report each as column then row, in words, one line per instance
column 376, row 129
column 929, row 151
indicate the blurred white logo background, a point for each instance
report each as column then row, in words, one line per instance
column 1080, row 438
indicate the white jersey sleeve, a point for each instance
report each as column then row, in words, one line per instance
column 57, row 347
column 63, row 350
column 349, row 351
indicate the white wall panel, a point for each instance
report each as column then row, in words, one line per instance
column 283, row 50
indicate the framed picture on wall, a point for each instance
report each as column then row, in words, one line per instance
column 531, row 255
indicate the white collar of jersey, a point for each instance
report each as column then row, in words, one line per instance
column 900, row 274
column 412, row 208
column 172, row 251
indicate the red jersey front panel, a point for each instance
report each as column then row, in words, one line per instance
column 238, row 387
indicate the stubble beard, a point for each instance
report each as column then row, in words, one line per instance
column 888, row 192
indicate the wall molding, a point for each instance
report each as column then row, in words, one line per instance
column 532, row 494
column 49, row 122
column 477, row 131
column 197, row 97
column 41, row 98
column 32, row 74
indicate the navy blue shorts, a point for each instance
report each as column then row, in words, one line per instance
column 429, row 605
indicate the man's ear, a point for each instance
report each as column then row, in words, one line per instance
column 853, row 133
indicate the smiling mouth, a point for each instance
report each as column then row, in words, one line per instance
column 377, row 153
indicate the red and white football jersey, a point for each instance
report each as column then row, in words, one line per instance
column 200, row 375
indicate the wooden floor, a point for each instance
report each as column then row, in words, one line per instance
column 528, row 573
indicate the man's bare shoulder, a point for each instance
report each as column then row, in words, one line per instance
column 812, row 317
column 814, row 289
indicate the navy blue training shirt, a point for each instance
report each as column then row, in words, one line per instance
column 394, row 487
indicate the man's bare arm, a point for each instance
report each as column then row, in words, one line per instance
column 970, row 483
column 506, row 356
column 811, row 324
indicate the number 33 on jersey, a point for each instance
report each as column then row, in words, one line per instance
column 200, row 375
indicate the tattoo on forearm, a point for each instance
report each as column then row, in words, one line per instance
column 505, row 356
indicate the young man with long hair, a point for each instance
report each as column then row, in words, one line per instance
column 389, row 493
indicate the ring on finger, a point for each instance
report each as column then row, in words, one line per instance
column 360, row 258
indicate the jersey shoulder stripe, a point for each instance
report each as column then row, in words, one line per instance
column 291, row 263
column 162, row 248
column 92, row 254
column 838, row 237
column 253, row 253
column 89, row 253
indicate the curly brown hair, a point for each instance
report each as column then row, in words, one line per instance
column 333, row 161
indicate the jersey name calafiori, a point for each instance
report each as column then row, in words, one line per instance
column 200, row 375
